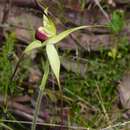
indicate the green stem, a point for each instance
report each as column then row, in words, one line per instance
column 10, row 81
column 61, row 104
column 39, row 99
column 16, row 67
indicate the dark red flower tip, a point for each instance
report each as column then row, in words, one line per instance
column 41, row 35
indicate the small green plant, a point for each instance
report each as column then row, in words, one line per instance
column 117, row 22
column 8, row 87
column 6, row 67
column 116, row 25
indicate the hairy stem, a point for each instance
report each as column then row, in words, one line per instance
column 61, row 97
column 39, row 99
column 11, row 79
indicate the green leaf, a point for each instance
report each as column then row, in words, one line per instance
column 35, row 44
column 117, row 22
column 48, row 25
column 45, row 76
column 54, row 60
column 62, row 35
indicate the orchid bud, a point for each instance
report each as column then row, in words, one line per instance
column 41, row 35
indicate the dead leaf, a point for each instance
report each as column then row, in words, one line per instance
column 124, row 92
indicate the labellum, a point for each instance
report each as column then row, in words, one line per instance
column 41, row 35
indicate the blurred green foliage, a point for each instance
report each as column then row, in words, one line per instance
column 117, row 22
column 6, row 66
